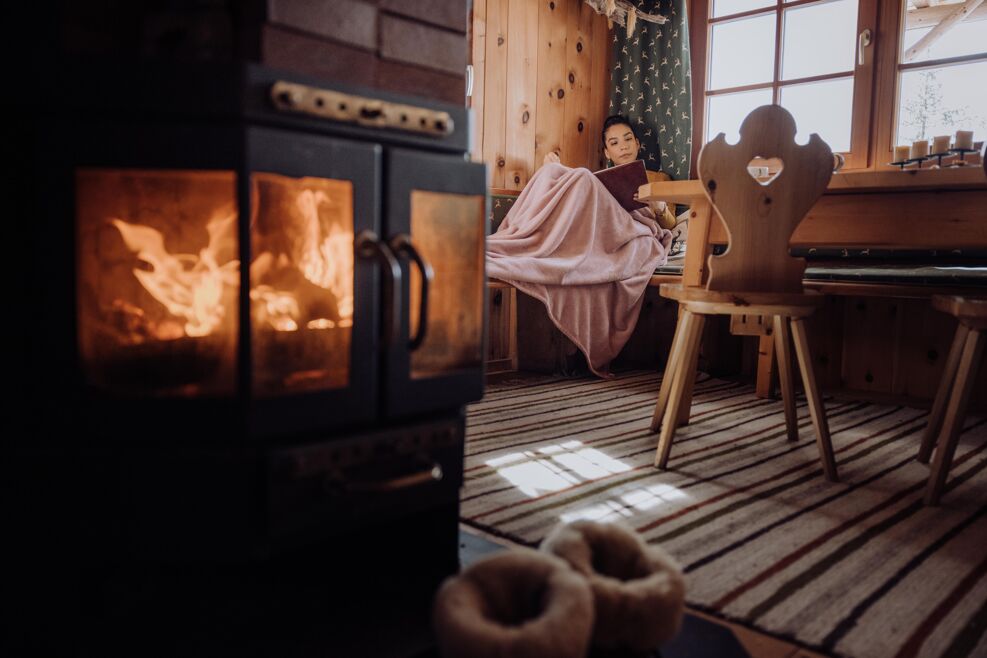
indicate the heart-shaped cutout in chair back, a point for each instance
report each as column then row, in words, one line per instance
column 765, row 170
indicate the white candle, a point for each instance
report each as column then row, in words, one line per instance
column 940, row 144
column 900, row 153
column 920, row 148
column 964, row 139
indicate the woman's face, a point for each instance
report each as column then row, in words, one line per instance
column 620, row 144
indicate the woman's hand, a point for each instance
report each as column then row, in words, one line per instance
column 551, row 158
column 657, row 207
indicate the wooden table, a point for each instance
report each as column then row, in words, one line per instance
column 925, row 209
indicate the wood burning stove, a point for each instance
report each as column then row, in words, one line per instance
column 268, row 310
column 254, row 313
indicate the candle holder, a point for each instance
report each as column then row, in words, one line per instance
column 901, row 164
column 962, row 153
column 940, row 156
column 904, row 163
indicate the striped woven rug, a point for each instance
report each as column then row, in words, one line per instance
column 857, row 568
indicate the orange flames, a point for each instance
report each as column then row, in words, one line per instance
column 327, row 262
column 189, row 286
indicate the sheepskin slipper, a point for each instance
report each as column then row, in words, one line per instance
column 638, row 590
column 522, row 604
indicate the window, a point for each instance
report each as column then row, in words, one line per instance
column 942, row 63
column 810, row 56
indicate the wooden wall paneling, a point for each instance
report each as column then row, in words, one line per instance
column 479, row 62
column 894, row 221
column 871, row 331
column 541, row 347
column 502, row 318
column 825, row 330
column 550, row 106
column 600, row 94
column 497, row 317
column 767, row 367
column 922, row 352
column 897, row 220
column 495, row 86
column 522, row 87
column 579, row 66
column 651, row 340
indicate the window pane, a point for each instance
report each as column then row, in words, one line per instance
column 943, row 100
column 727, row 7
column 966, row 38
column 822, row 107
column 727, row 112
column 743, row 52
column 819, row 38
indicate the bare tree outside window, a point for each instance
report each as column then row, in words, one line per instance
column 930, row 111
column 942, row 61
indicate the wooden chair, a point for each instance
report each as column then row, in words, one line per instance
column 949, row 408
column 756, row 275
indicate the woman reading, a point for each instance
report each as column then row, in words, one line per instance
column 568, row 243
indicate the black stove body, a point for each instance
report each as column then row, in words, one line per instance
column 260, row 311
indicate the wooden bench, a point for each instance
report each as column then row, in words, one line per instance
column 502, row 348
column 926, row 211
column 551, row 350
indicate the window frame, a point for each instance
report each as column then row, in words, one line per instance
column 701, row 24
column 888, row 87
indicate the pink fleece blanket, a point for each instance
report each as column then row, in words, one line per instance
column 567, row 242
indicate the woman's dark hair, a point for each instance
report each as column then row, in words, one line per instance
column 616, row 120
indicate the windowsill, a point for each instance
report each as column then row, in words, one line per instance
column 845, row 182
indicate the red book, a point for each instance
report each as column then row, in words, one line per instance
column 623, row 182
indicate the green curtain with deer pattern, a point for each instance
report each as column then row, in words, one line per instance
column 652, row 85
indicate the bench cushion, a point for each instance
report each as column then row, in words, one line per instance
column 500, row 205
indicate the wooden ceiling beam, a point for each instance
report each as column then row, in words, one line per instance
column 931, row 16
column 944, row 26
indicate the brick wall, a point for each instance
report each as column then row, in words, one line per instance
column 414, row 47
column 417, row 48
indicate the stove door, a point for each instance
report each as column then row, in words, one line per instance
column 436, row 225
column 313, row 301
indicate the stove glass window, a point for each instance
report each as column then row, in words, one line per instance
column 447, row 230
column 301, row 283
column 158, row 280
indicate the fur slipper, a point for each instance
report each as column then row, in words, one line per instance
column 638, row 590
column 522, row 604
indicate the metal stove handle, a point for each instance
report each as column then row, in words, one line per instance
column 401, row 244
column 431, row 473
column 369, row 245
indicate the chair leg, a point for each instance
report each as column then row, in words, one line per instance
column 942, row 395
column 783, row 344
column 678, row 342
column 685, row 409
column 966, row 376
column 816, row 407
column 692, row 327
